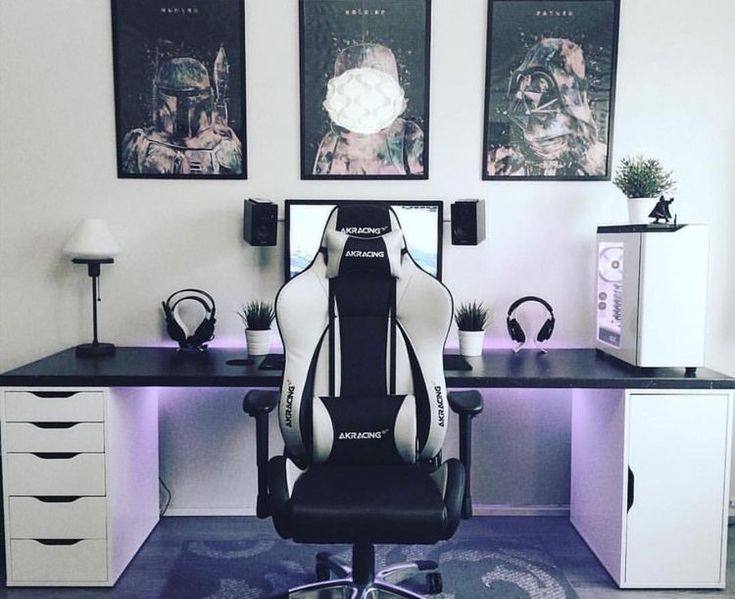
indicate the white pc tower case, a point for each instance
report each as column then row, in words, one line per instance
column 651, row 294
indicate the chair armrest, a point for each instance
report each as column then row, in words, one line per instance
column 258, row 403
column 467, row 404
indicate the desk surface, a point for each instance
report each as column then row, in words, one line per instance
column 165, row 367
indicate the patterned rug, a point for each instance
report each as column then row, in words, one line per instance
column 264, row 567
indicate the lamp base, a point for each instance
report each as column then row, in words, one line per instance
column 92, row 350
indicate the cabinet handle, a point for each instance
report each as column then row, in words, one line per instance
column 56, row 455
column 57, row 541
column 54, row 424
column 631, row 488
column 54, row 394
column 57, row 498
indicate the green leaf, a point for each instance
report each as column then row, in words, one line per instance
column 639, row 177
column 471, row 316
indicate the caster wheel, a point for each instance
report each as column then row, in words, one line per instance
column 322, row 573
column 322, row 566
column 434, row 583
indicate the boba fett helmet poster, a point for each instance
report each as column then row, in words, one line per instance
column 179, row 88
column 364, row 89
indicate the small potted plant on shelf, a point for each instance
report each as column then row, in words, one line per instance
column 471, row 319
column 257, row 316
column 643, row 181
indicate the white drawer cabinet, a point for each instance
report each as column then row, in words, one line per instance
column 80, row 482
column 650, row 484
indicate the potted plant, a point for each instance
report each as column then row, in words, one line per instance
column 471, row 319
column 642, row 180
column 257, row 316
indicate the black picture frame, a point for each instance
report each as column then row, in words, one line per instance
column 179, row 75
column 338, row 41
column 550, row 89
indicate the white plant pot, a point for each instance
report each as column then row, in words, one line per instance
column 470, row 342
column 639, row 209
column 259, row 342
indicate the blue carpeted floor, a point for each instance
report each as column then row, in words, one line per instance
column 473, row 566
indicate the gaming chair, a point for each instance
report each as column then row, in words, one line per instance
column 363, row 408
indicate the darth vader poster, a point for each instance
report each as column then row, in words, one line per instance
column 179, row 88
column 549, row 89
column 364, row 89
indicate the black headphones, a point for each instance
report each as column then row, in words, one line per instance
column 516, row 331
column 176, row 327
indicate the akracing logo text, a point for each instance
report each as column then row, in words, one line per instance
column 355, row 436
column 288, row 413
column 365, row 254
column 364, row 230
column 439, row 404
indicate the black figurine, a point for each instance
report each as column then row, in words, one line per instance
column 661, row 211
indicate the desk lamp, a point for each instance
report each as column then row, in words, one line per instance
column 93, row 244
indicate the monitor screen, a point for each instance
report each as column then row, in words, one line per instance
column 421, row 221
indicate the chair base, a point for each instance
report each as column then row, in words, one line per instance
column 346, row 589
column 361, row 581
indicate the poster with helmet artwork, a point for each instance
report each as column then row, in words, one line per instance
column 550, row 89
column 364, row 68
column 180, row 88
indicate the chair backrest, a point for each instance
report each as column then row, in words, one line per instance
column 363, row 329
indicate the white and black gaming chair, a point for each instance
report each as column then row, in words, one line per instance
column 363, row 408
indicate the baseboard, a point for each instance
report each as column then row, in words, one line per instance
column 520, row 510
column 478, row 510
column 210, row 511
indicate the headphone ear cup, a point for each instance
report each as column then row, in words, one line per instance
column 179, row 322
column 172, row 327
column 516, row 331
column 204, row 332
column 546, row 330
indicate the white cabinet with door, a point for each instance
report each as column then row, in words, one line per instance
column 650, row 483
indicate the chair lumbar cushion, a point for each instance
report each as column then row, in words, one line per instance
column 364, row 430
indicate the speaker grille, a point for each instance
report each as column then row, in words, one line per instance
column 468, row 222
column 260, row 223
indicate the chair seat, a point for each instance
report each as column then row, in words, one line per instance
column 373, row 504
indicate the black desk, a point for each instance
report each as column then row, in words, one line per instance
column 655, row 423
column 165, row 367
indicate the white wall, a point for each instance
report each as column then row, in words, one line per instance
column 57, row 165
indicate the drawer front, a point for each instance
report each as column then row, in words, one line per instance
column 54, row 406
column 55, row 437
column 82, row 561
column 45, row 474
column 43, row 518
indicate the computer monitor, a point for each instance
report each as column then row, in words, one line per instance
column 421, row 221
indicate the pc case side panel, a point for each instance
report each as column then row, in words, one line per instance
column 673, row 298
column 617, row 289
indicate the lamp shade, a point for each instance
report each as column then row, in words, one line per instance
column 91, row 240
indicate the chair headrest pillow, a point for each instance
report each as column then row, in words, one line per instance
column 349, row 254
